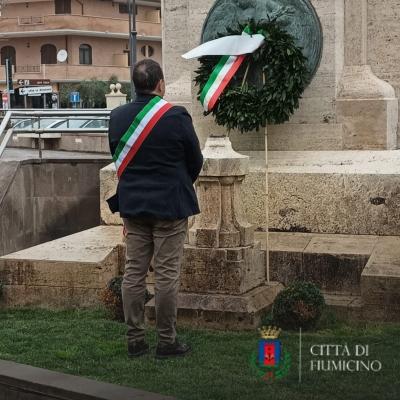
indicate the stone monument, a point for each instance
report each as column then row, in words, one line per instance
column 222, row 282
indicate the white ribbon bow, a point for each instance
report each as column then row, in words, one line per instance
column 234, row 45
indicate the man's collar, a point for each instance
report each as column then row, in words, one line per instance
column 144, row 96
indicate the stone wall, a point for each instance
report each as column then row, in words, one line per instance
column 69, row 141
column 46, row 200
column 383, row 42
column 314, row 125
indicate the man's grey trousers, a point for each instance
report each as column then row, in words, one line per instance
column 148, row 237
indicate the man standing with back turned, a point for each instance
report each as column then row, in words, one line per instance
column 158, row 158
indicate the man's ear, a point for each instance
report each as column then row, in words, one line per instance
column 161, row 86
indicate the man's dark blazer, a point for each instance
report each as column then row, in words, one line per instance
column 158, row 182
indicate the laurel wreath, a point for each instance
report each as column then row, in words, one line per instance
column 268, row 85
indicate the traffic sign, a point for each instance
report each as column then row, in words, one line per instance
column 36, row 90
column 74, row 97
column 33, row 82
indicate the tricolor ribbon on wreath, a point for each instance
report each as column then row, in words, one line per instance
column 233, row 50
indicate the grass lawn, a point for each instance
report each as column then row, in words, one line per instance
column 87, row 343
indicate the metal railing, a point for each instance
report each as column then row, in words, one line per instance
column 36, row 116
column 30, row 20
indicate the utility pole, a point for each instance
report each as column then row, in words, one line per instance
column 132, row 39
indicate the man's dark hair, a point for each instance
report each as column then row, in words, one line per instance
column 146, row 75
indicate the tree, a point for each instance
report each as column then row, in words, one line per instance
column 93, row 93
column 65, row 90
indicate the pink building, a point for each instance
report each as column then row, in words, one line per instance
column 95, row 34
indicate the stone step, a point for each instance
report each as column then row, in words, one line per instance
column 360, row 274
column 333, row 262
column 344, row 306
column 340, row 192
column 72, row 271
column 380, row 280
column 221, row 311
column 63, row 273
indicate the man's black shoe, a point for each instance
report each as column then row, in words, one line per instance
column 138, row 349
column 172, row 350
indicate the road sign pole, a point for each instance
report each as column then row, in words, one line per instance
column 8, row 78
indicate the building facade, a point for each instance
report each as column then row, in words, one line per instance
column 94, row 33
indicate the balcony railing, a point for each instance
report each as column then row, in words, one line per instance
column 28, row 69
column 30, row 20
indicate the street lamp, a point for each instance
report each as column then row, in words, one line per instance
column 132, row 39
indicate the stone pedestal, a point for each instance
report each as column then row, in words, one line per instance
column 115, row 98
column 223, row 277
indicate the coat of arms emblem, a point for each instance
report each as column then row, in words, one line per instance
column 272, row 361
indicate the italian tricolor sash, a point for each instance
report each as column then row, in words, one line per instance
column 219, row 79
column 138, row 132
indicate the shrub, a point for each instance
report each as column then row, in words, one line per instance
column 300, row 305
column 111, row 297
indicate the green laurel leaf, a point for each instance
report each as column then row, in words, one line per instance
column 270, row 90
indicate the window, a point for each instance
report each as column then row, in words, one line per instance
column 8, row 52
column 85, row 54
column 62, row 6
column 48, row 54
column 147, row 51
